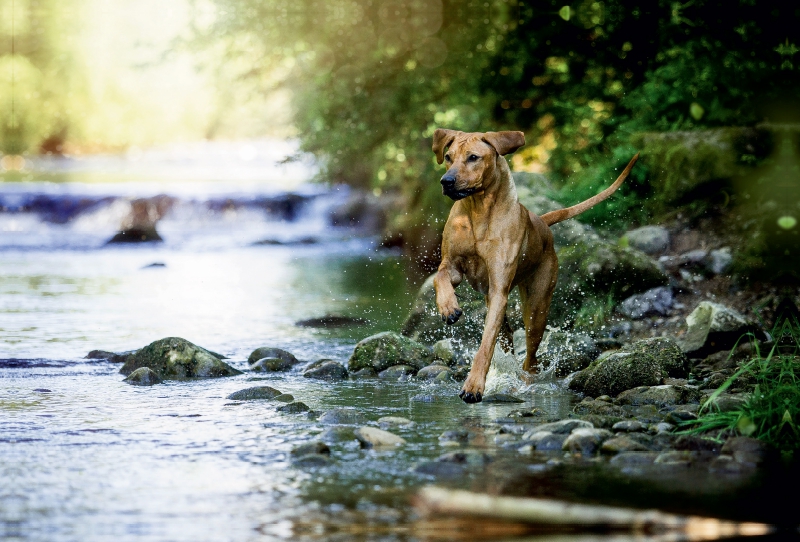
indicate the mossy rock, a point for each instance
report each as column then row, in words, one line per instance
column 176, row 358
column 617, row 372
column 143, row 376
column 387, row 349
column 595, row 276
column 666, row 351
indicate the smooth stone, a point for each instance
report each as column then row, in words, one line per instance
column 545, row 441
column 501, row 398
column 748, row 445
column 387, row 349
column 662, row 427
column 342, row 416
column 326, row 369
column 143, row 376
column 628, row 426
column 396, row 372
column 285, row 398
column 562, row 426
column 585, row 441
column 649, row 239
column 693, row 443
column 271, row 365
column 294, row 408
column 622, row 443
column 433, row 372
column 174, row 357
column 370, row 437
column 394, row 421
column 726, row 464
column 270, row 352
column 674, row 457
column 653, row 302
column 443, row 350
column 634, row 458
column 676, row 417
column 255, row 393
column 660, row 396
column 315, row 447
column 337, row 434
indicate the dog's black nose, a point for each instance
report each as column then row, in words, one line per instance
column 448, row 181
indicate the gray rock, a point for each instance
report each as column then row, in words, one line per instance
column 466, row 457
column 566, row 352
column 693, row 258
column 143, row 376
column 293, row 408
column 394, row 421
column 649, row 239
column 396, row 372
column 342, row 416
column 386, row 349
column 622, row 443
column 662, row 427
column 444, row 351
column 560, row 427
column 586, row 441
column 113, row 357
column 628, row 426
column 501, row 398
column 634, row 458
column 712, row 327
column 432, row 372
column 597, row 407
column 326, row 369
column 665, row 351
column 441, row 469
column 314, row 447
column 546, row 441
column 174, row 357
column 656, row 301
column 719, row 261
column 726, row 464
column 660, row 396
column 271, row 365
column 255, row 393
column 372, row 437
column 270, row 352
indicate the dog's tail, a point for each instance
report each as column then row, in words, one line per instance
column 554, row 217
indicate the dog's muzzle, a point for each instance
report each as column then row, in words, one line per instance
column 449, row 188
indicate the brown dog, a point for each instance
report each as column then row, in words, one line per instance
column 495, row 243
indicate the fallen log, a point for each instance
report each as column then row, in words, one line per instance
column 561, row 514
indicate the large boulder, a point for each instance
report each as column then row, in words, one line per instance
column 174, row 357
column 387, row 349
column 712, row 327
column 648, row 239
column 641, row 363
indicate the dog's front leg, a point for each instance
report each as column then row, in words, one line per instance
column 446, row 278
column 472, row 391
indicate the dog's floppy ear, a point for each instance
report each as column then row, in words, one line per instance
column 442, row 139
column 504, row 142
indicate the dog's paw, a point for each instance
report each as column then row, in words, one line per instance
column 469, row 397
column 453, row 317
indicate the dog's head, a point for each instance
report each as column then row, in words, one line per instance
column 471, row 158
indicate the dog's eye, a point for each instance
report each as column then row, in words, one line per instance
column 447, row 157
column 472, row 158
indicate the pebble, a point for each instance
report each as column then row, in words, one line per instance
column 337, row 434
column 370, row 437
column 440, row 469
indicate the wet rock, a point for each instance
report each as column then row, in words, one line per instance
column 342, row 416
column 294, row 408
column 546, row 441
column 586, row 441
column 595, row 271
column 337, row 434
column 601, row 422
column 648, row 239
column 394, row 421
column 622, row 443
column 677, row 417
column 693, row 259
column 665, row 351
column 456, row 437
column 271, row 365
column 143, row 376
column 434, row 372
column 441, row 469
column 326, row 369
column 560, row 427
column 312, row 460
column 255, row 393
column 365, row 373
column 661, row 427
column 372, row 437
column 659, row 395
column 616, row 372
column 271, row 352
column 174, row 357
column 566, row 352
column 501, row 398
column 713, row 327
column 315, row 447
column 719, row 261
column 729, row 403
column 674, row 458
column 628, row 426
column 466, row 457
column 396, row 372
column 597, row 407
column 694, row 443
column 285, row 398
column 653, row 302
column 387, row 349
column 625, row 459
column 444, row 351
column 113, row 357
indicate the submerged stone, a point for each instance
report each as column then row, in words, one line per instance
column 326, row 369
column 294, row 408
column 434, row 372
column 622, row 443
column 113, row 357
column 271, row 365
column 143, row 376
column 271, row 352
column 314, row 447
column 255, row 393
column 560, row 427
column 343, row 416
column 501, row 398
column 174, row 357
column 394, row 421
column 370, row 437
column 396, row 372
column 387, row 349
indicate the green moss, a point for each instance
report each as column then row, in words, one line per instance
column 174, row 357
column 387, row 349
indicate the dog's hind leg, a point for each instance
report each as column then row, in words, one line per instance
column 444, row 283
column 536, row 294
